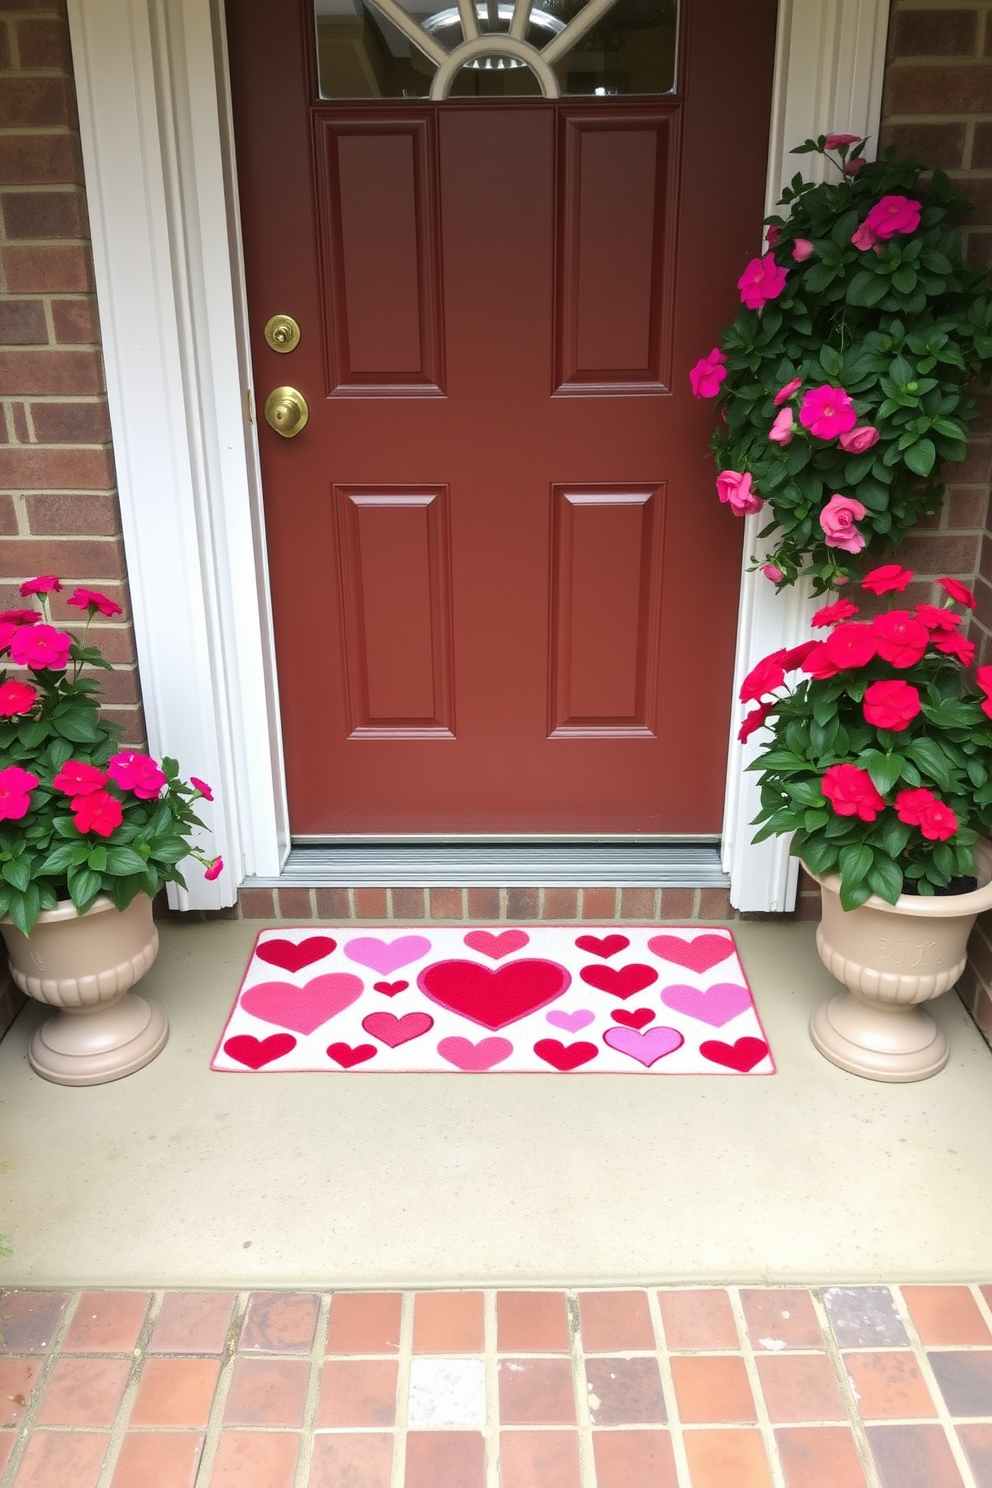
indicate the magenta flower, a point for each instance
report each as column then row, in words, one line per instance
column 15, row 792
column 40, row 647
column 856, row 441
column 837, row 520
column 802, row 249
column 772, row 233
column 833, row 614
column 834, row 141
column 92, row 599
column 20, row 617
column 215, row 870
column 827, row 412
column 771, row 571
column 958, row 592
column 98, row 812
column 864, row 238
column 202, row 787
column 708, row 373
column 781, row 430
column 735, row 490
column 137, row 773
column 762, row 280
column 894, row 214
column 785, row 393
column 16, row 698
column 44, row 585
column 78, row 778
column 851, row 167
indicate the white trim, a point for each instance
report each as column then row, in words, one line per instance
column 157, row 147
column 829, row 67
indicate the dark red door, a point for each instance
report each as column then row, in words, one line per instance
column 505, row 594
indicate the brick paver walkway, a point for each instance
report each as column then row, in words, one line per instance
column 738, row 1387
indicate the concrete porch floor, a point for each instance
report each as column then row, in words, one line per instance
column 180, row 1177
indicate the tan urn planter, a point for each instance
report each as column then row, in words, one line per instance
column 84, row 965
column 892, row 958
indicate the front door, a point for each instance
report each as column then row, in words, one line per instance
column 504, row 593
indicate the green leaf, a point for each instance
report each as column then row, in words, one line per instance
column 921, row 456
column 884, row 769
column 17, row 872
column 855, row 862
column 931, row 758
column 124, row 860
column 885, row 878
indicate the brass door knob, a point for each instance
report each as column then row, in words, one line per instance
column 286, row 411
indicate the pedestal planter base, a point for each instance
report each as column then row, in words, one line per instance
column 876, row 1043
column 92, row 1047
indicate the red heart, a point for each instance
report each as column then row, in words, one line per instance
column 390, row 988
column 247, row 1049
column 493, row 996
column 619, row 981
column 698, row 955
column 389, row 1029
column 562, row 1056
column 607, row 946
column 636, row 1018
column 497, row 946
column 291, row 955
column 346, row 1056
column 741, row 1056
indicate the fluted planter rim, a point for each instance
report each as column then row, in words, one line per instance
column 66, row 910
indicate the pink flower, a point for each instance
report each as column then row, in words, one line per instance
column 850, row 646
column 765, row 677
column 92, row 599
column 834, row 141
column 837, row 520
column 736, row 491
column 891, row 705
column 833, row 614
column 40, row 647
column 953, row 644
column 773, row 233
column 889, row 577
column 215, row 870
column 958, row 592
column 753, row 721
column 863, row 237
column 44, row 585
column 900, row 639
column 202, row 787
column 781, row 430
column 98, row 811
column 802, row 249
column 934, row 618
column 893, row 214
column 15, row 788
column 20, row 617
column 827, row 412
column 786, row 392
column 856, row 441
column 78, row 778
column 851, row 792
column 136, row 772
column 762, row 280
column 851, row 167
column 16, row 698
column 772, row 572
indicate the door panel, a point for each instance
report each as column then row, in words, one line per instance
column 504, row 593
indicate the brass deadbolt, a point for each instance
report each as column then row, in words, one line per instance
column 282, row 333
column 286, row 411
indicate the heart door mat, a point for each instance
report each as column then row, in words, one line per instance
column 598, row 1001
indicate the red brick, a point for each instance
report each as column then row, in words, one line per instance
column 120, row 686
column 294, row 904
column 536, row 1392
column 448, row 1323
column 711, row 1389
column 19, row 418
column 5, row 62
column 37, row 468
column 78, row 560
column 44, row 214
column 280, row 1322
column 815, row 1456
column 981, row 145
column 561, row 904
column 40, row 159
column 634, row 1459
column 407, row 904
column 532, row 1322
column 967, row 508
column 935, row 144
column 937, row 90
column 76, row 321
column 440, row 1459
column 946, row 1315
column 978, row 190
column 540, row 1459
column 25, row 372
column 698, row 1318
column 83, row 514
column 33, row 102
column 445, row 904
column 364, row 1323
column 714, row 904
column 913, row 1454
column 22, row 323
column 933, row 33
column 598, row 904
column 64, row 268
column 483, row 904
column 677, row 904
column 523, row 904
column 637, row 904
column 333, row 904
column 258, row 904
column 8, row 520
column 370, row 904
column 978, row 245
column 940, row 555
column 615, row 1321
column 44, row 43
column 71, row 423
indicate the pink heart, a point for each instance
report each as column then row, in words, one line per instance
column 715, row 1006
column 647, row 1048
column 385, row 956
column 302, row 1008
column 481, row 1056
column 571, row 1022
column 698, row 954
column 391, row 1030
column 497, row 946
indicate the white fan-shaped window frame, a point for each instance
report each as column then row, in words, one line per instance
column 477, row 44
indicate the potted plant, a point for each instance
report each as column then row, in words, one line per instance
column 879, row 766
column 89, row 833
column 841, row 386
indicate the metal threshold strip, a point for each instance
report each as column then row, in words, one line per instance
column 572, row 863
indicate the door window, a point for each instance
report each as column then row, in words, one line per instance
column 495, row 48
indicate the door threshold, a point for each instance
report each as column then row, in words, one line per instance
column 501, row 864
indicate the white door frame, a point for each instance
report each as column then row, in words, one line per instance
column 155, row 122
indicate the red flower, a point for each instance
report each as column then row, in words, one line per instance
column 15, row 788
column 833, row 614
column 753, row 721
column 851, row 645
column 77, row 778
column 216, row 869
column 21, row 617
column 851, row 792
column 40, row 647
column 900, row 639
column 938, row 822
column 16, row 698
column 44, row 585
column 765, row 677
column 891, row 576
column 954, row 644
column 891, row 704
column 786, row 391
column 795, row 656
column 202, row 787
column 92, row 599
column 98, row 812
column 911, row 804
column 958, row 592
column 934, row 618
column 136, row 772
column 984, row 679
column 818, row 664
